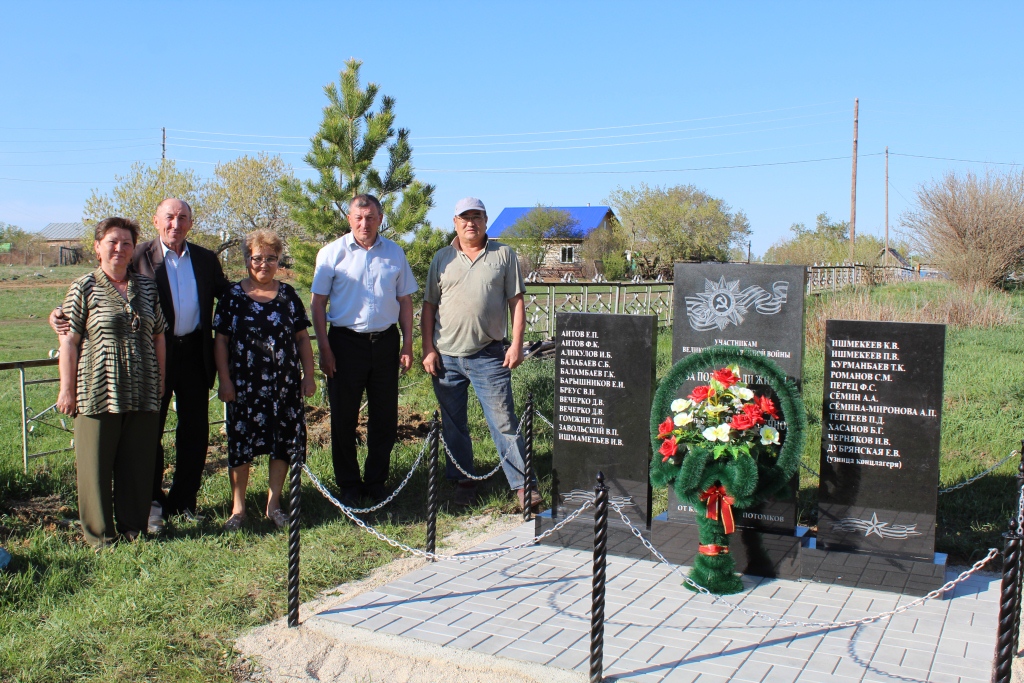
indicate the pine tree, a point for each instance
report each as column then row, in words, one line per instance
column 343, row 151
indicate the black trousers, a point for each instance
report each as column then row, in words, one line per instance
column 370, row 363
column 187, row 379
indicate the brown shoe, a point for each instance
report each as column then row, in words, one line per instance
column 535, row 499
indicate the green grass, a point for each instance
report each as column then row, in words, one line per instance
column 168, row 610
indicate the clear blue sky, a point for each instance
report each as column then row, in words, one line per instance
column 575, row 98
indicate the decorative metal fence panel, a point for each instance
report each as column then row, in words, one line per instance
column 544, row 301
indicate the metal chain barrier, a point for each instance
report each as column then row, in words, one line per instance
column 474, row 477
column 806, row 624
column 976, row 477
column 434, row 557
column 408, row 477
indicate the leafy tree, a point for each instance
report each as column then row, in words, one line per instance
column 246, row 195
column 19, row 239
column 137, row 194
column 827, row 242
column 343, row 151
column 540, row 223
column 681, row 223
column 607, row 244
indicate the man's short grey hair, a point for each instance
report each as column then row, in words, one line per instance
column 176, row 199
column 363, row 201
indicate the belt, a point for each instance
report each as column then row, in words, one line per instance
column 191, row 337
column 372, row 336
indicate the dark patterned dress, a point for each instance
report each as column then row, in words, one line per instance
column 267, row 415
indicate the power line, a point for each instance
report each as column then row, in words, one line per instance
column 72, row 163
column 634, row 125
column 624, row 135
column 967, row 161
column 240, row 135
column 61, row 182
column 659, row 170
column 99, row 140
column 228, row 142
column 89, row 149
column 79, row 130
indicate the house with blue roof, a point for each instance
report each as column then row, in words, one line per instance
column 563, row 255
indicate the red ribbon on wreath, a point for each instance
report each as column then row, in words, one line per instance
column 711, row 549
column 719, row 506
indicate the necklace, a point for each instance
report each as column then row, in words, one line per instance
column 116, row 281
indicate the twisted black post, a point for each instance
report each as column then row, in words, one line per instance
column 528, row 484
column 1009, row 605
column 293, row 540
column 435, row 436
column 597, row 599
column 1020, row 571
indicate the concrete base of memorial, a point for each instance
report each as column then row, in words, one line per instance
column 579, row 535
column 533, row 605
column 773, row 556
column 864, row 570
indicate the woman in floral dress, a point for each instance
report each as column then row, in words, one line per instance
column 265, row 367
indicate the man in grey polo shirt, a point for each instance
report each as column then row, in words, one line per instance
column 368, row 284
column 471, row 287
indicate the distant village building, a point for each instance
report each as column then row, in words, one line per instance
column 562, row 255
column 64, row 241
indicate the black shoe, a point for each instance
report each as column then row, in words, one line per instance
column 376, row 492
column 349, row 497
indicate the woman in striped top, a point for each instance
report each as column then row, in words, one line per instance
column 111, row 379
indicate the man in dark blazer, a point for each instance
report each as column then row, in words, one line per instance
column 188, row 278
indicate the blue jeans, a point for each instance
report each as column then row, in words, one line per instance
column 493, row 386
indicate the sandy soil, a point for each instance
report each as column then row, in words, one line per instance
column 322, row 651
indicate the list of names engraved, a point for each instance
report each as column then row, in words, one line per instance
column 586, row 383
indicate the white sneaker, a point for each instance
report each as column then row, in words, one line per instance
column 156, row 524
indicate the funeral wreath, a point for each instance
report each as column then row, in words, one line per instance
column 720, row 447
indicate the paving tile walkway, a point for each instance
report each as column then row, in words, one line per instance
column 534, row 605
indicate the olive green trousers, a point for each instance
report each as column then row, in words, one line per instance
column 115, row 454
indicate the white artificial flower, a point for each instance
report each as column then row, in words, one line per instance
column 719, row 433
column 743, row 393
column 769, row 436
column 680, row 404
column 683, row 419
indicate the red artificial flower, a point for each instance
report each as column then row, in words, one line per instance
column 701, row 393
column 754, row 412
column 742, row 421
column 668, row 448
column 665, row 428
column 725, row 377
column 767, row 405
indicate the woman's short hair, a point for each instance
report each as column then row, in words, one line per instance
column 116, row 222
column 267, row 239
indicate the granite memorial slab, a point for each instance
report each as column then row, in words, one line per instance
column 752, row 306
column 604, row 384
column 881, row 418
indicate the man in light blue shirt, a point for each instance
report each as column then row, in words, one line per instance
column 363, row 287
column 184, row 294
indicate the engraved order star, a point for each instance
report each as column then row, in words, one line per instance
column 720, row 300
column 875, row 527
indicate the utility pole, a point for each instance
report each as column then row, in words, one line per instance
column 163, row 145
column 853, row 185
column 886, row 261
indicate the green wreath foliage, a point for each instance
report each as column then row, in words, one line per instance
column 746, row 480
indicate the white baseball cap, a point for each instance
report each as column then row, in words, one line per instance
column 469, row 204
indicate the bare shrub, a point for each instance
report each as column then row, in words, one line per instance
column 954, row 307
column 970, row 227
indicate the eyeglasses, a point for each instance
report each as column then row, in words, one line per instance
column 260, row 260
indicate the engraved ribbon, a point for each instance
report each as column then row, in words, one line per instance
column 703, row 316
column 719, row 506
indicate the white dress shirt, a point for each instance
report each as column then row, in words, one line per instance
column 184, row 294
column 363, row 285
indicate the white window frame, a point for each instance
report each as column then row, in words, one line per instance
column 572, row 254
